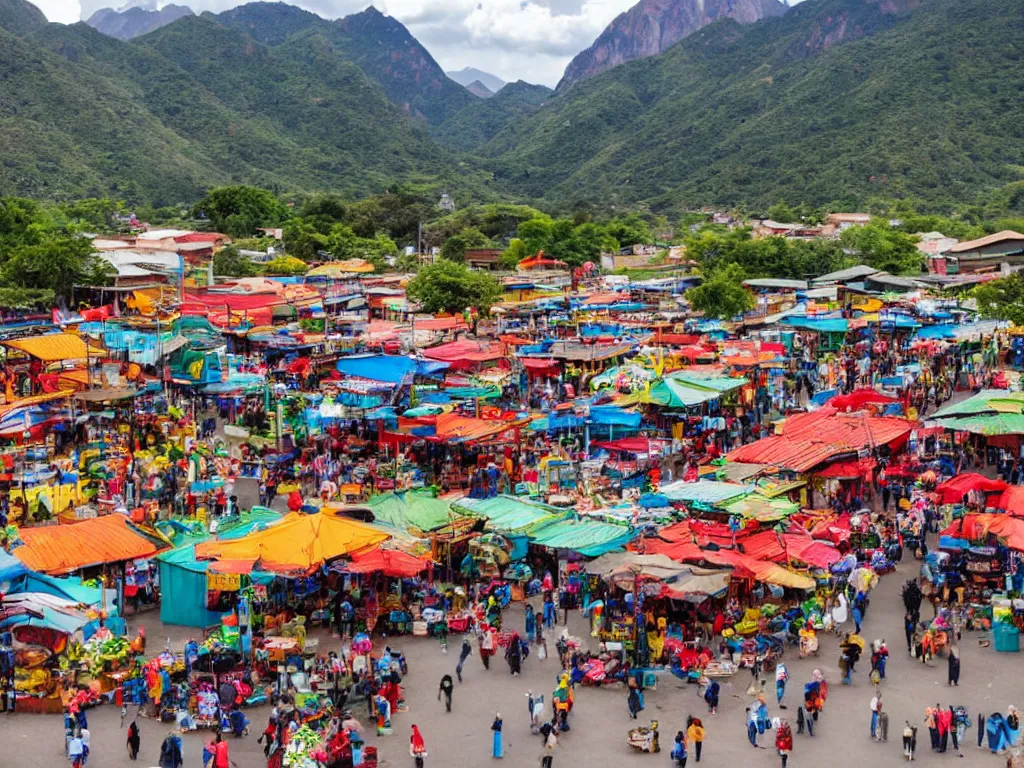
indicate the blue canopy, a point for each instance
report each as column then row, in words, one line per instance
column 10, row 568
column 613, row 415
column 937, row 332
column 821, row 325
column 387, row 368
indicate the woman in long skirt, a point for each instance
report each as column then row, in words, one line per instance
column 496, row 727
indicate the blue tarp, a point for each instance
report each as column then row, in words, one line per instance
column 387, row 368
column 10, row 568
column 821, row 325
column 612, row 415
column 937, row 332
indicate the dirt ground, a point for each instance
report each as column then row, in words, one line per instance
column 990, row 681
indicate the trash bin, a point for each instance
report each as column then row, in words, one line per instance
column 1007, row 638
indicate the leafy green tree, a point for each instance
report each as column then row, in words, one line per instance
column 782, row 211
column 228, row 262
column 629, row 230
column 883, row 247
column 722, row 295
column 286, row 266
column 303, row 240
column 238, row 210
column 515, row 253
column 448, row 286
column 454, row 248
column 93, row 214
column 1002, row 299
column 536, row 234
column 343, row 243
column 57, row 264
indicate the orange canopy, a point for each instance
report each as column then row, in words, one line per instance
column 300, row 543
column 67, row 548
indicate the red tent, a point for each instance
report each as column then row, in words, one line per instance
column 1012, row 500
column 953, row 490
column 857, row 399
column 390, row 562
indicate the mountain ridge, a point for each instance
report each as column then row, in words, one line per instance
column 652, row 26
column 133, row 21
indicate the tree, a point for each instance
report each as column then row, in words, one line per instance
column 880, row 246
column 57, row 264
column 343, row 243
column 286, row 266
column 228, row 262
column 238, row 210
column 451, row 287
column 783, row 212
column 303, row 240
column 454, row 248
column 722, row 295
column 535, row 234
column 629, row 230
column 1002, row 299
column 515, row 253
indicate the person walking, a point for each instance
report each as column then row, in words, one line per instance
column 134, row 742
column 909, row 627
column 464, row 653
column 695, row 735
column 550, row 742
column 876, row 709
column 486, row 648
column 781, row 676
column 445, row 689
column 633, row 700
column 932, row 724
column 170, row 751
column 711, row 696
column 496, row 750
column 417, row 747
column 954, row 666
column 678, row 754
column 784, row 741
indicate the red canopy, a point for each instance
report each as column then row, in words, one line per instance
column 953, row 490
column 636, row 445
column 857, row 399
column 1012, row 500
column 390, row 562
column 844, row 470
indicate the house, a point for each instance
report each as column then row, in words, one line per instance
column 275, row 232
column 844, row 276
column 841, row 221
column 483, row 258
column 988, row 253
column 770, row 228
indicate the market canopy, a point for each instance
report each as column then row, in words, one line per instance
column 67, row 548
column 390, row 562
column 51, row 347
column 391, row 369
column 857, row 399
column 680, row 581
column 298, row 544
column 671, row 393
column 1007, row 528
column 507, row 513
column 986, row 401
column 757, row 507
column 702, row 492
column 988, row 424
column 952, row 491
column 413, row 509
column 588, row 537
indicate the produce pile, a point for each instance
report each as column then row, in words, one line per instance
column 302, row 748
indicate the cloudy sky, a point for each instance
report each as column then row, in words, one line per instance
column 531, row 40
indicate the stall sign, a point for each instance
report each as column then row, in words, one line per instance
column 223, row 582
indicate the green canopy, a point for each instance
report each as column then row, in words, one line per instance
column 588, row 537
column 990, row 424
column 507, row 513
column 717, row 383
column 671, row 393
column 413, row 509
column 763, row 509
column 986, row 401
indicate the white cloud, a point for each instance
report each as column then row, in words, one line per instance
column 60, row 11
column 529, row 40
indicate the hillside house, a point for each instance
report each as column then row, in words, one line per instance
column 843, row 221
column 483, row 258
column 987, row 253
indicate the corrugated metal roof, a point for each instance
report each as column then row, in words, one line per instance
column 998, row 237
column 780, row 451
column 66, row 548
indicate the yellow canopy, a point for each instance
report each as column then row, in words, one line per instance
column 299, row 543
column 52, row 347
column 337, row 268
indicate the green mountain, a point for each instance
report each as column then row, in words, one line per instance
column 481, row 120
column 19, row 17
column 379, row 45
column 197, row 103
column 838, row 100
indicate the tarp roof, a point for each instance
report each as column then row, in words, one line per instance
column 780, row 451
column 588, row 537
column 387, row 368
column 413, row 509
column 507, row 513
column 299, row 543
column 66, row 548
column 10, row 568
column 857, row 399
column 717, row 383
column 671, row 393
column 990, row 424
column 977, row 404
column 390, row 562
column 51, row 347
column 953, row 490
column 702, row 491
